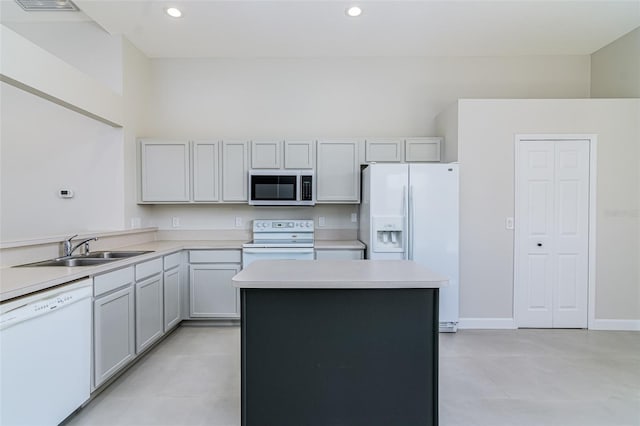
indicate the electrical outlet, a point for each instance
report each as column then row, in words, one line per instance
column 321, row 221
column 354, row 217
column 175, row 221
column 238, row 222
column 508, row 223
column 135, row 222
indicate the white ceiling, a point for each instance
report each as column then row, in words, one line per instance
column 299, row 28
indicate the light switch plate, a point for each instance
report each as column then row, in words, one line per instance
column 65, row 193
column 136, row 222
column 508, row 223
column 321, row 221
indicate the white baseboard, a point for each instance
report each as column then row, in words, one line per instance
column 615, row 324
column 510, row 324
column 487, row 323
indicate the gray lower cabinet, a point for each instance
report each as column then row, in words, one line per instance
column 113, row 333
column 149, row 311
column 340, row 254
column 171, row 298
column 212, row 294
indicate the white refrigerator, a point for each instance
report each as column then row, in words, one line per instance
column 410, row 211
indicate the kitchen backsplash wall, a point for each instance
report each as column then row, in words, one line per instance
column 223, row 217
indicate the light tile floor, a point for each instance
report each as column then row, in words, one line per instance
column 496, row 377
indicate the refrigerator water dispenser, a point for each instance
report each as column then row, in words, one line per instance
column 389, row 234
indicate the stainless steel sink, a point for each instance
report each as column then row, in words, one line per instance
column 71, row 261
column 114, row 254
column 92, row 259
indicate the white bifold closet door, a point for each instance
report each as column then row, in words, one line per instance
column 552, row 234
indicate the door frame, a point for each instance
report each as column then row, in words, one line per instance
column 593, row 154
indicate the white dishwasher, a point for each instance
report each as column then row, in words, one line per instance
column 45, row 355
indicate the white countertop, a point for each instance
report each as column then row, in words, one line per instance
column 362, row 274
column 16, row 282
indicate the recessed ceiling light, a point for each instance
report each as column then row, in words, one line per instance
column 354, row 11
column 174, row 12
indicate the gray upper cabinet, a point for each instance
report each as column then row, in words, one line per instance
column 422, row 149
column 338, row 171
column 206, row 171
column 235, row 162
column 217, row 171
column 299, row 154
column 165, row 172
column 266, row 154
column 383, row 150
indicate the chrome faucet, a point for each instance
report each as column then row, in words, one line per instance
column 68, row 248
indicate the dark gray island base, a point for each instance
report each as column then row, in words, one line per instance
column 339, row 356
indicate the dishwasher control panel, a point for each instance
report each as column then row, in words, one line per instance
column 22, row 309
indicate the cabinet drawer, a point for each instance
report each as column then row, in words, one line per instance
column 215, row 256
column 111, row 280
column 339, row 254
column 146, row 269
column 172, row 260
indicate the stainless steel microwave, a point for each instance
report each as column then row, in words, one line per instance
column 281, row 188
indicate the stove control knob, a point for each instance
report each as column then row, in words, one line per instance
column 290, row 224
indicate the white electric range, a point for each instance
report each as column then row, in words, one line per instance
column 286, row 239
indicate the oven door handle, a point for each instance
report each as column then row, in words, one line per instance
column 278, row 250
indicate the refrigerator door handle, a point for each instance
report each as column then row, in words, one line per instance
column 405, row 215
column 411, row 215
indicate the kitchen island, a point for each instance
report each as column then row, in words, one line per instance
column 339, row 343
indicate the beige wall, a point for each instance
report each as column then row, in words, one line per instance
column 486, row 154
column 45, row 147
column 83, row 45
column 250, row 98
column 447, row 125
column 136, row 93
column 615, row 69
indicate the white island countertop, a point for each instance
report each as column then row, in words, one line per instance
column 337, row 274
